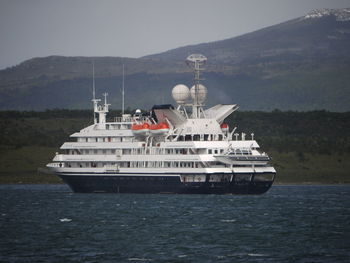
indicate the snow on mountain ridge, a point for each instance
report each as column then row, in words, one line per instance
column 340, row 14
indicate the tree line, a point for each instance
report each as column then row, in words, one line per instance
column 309, row 132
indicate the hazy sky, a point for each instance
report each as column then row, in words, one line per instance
column 133, row 28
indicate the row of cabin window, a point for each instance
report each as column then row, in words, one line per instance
column 118, row 126
column 201, row 137
column 150, row 164
column 105, row 139
column 215, row 151
column 141, row 164
column 242, row 151
column 143, row 151
column 132, row 151
column 195, row 137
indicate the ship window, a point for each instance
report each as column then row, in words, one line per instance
column 220, row 137
column 196, row 137
column 181, row 138
column 95, row 151
column 210, row 151
column 103, row 151
column 188, row 138
column 215, row 151
column 206, row 136
column 96, row 139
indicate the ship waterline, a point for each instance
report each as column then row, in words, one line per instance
column 169, row 184
column 170, row 150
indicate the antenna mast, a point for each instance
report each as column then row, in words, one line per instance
column 196, row 62
column 123, row 92
column 93, row 81
column 94, row 100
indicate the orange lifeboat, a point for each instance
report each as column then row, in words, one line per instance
column 224, row 127
column 140, row 129
column 160, row 128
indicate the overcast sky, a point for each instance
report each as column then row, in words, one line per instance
column 133, row 28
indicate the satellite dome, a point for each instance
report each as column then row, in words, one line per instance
column 180, row 93
column 138, row 111
column 202, row 93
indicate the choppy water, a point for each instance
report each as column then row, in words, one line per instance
column 48, row 223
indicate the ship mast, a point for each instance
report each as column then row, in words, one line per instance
column 101, row 111
column 196, row 62
column 123, row 93
column 94, row 100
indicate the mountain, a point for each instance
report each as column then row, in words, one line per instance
column 301, row 64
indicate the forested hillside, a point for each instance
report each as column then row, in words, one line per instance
column 306, row 147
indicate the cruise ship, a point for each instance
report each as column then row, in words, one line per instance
column 185, row 149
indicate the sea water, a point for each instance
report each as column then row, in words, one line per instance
column 49, row 223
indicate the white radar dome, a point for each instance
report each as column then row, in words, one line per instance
column 180, row 93
column 202, row 93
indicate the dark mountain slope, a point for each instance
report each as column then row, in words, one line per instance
column 309, row 37
column 302, row 64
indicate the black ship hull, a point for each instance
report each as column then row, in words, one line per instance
column 149, row 184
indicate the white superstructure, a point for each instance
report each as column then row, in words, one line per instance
column 187, row 146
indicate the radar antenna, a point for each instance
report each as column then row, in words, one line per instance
column 93, row 81
column 94, row 100
column 123, row 92
column 196, row 62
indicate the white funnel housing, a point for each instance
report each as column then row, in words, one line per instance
column 201, row 93
column 180, row 93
